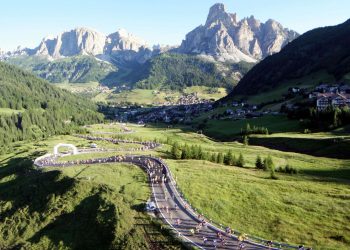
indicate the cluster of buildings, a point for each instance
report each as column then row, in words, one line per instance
column 167, row 114
column 91, row 90
column 190, row 99
column 187, row 99
column 331, row 95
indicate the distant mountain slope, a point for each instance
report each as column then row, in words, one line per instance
column 324, row 49
column 225, row 38
column 77, row 69
column 176, row 71
column 39, row 109
column 222, row 41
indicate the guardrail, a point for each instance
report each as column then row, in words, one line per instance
column 257, row 241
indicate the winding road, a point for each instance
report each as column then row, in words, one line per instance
column 172, row 208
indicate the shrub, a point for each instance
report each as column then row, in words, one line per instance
column 287, row 170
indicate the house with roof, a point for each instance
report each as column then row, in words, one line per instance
column 325, row 100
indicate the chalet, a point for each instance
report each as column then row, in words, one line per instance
column 325, row 100
column 294, row 90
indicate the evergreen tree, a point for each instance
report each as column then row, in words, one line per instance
column 259, row 163
column 176, row 151
column 186, row 152
column 272, row 172
column 228, row 159
column 268, row 163
column 245, row 140
column 220, row 158
column 240, row 161
column 234, row 160
column 213, row 157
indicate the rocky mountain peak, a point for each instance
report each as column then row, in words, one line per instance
column 225, row 38
column 218, row 13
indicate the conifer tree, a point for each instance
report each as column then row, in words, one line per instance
column 240, row 161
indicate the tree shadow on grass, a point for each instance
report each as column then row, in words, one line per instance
column 29, row 187
column 331, row 175
column 90, row 226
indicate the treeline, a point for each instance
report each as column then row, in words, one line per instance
column 186, row 152
column 248, row 130
column 37, row 109
column 329, row 118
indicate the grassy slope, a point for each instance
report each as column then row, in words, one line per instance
column 228, row 129
column 292, row 209
column 311, row 207
column 286, row 135
column 87, row 207
column 308, row 82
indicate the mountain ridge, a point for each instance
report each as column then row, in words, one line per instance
column 225, row 38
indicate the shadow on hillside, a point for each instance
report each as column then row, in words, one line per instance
column 331, row 148
column 333, row 175
column 90, row 226
column 29, row 187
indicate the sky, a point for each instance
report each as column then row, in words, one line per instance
column 25, row 22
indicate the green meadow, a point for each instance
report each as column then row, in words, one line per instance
column 311, row 207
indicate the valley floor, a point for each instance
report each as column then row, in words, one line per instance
column 310, row 208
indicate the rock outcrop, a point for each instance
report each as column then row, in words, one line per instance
column 225, row 38
column 120, row 45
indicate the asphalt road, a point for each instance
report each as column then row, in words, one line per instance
column 172, row 208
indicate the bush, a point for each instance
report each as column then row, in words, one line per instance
column 287, row 170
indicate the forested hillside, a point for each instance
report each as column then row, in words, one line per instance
column 176, row 71
column 31, row 108
column 78, row 69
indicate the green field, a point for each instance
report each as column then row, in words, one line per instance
column 311, row 207
column 230, row 129
column 85, row 207
column 294, row 209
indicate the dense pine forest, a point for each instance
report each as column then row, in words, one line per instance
column 30, row 108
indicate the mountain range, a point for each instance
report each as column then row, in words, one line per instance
column 222, row 41
column 226, row 38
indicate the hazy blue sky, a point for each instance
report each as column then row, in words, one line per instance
column 157, row 21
